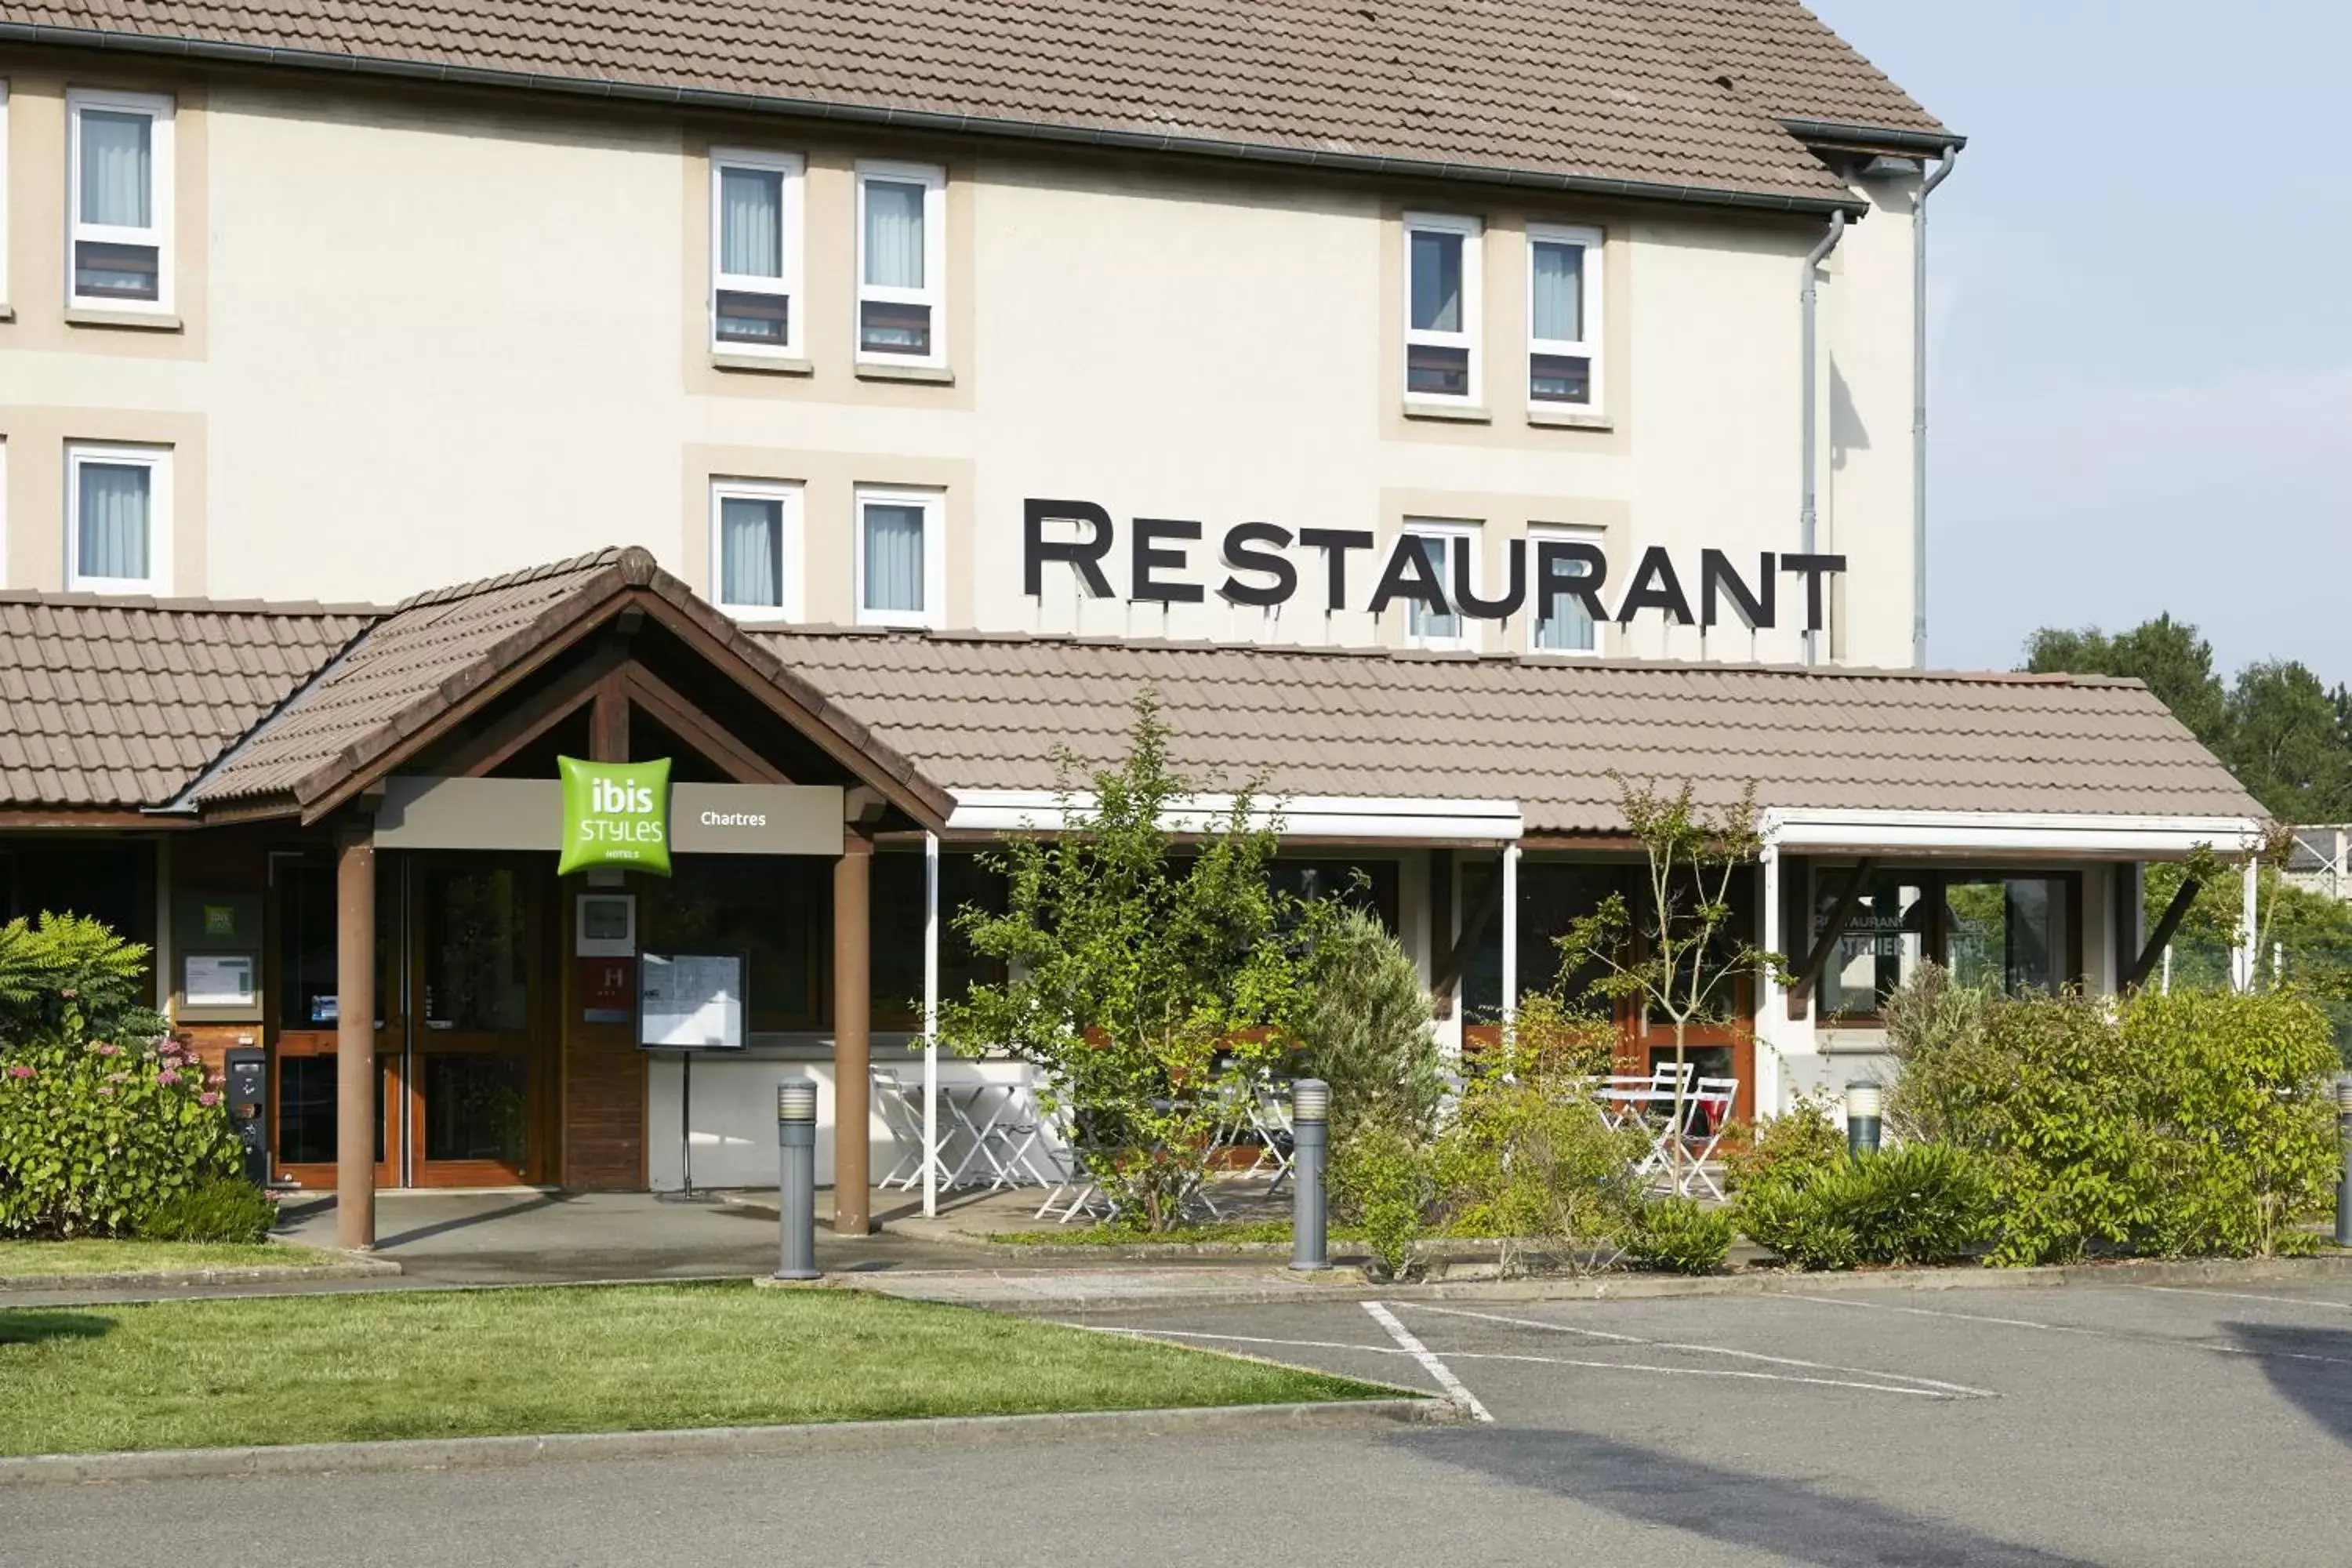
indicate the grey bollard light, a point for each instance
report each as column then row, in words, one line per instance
column 1310, row 1144
column 1862, row 1107
column 796, row 1194
column 2344, row 1181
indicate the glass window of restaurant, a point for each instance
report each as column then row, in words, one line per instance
column 2013, row 932
column 1553, row 894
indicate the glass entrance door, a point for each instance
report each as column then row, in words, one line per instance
column 477, row 1081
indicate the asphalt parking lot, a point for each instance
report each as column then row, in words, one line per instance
column 2010, row 1425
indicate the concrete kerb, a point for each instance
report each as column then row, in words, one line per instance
column 350, row 1267
column 1116, row 1289
column 451, row 1453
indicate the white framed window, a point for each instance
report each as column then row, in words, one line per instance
column 1442, row 307
column 902, row 222
column 1564, row 625
column 119, row 202
column 1563, row 318
column 755, row 252
column 118, row 519
column 755, row 548
column 901, row 559
column 1445, row 542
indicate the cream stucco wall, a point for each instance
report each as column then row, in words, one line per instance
column 428, row 337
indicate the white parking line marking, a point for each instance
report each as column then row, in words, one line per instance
column 2244, row 1296
column 1533, row 1360
column 2091, row 1333
column 1960, row 1388
column 1453, row 1387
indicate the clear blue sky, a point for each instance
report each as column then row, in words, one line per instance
column 2141, row 319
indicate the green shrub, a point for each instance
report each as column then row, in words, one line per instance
column 70, row 974
column 1383, row 1180
column 1790, row 1148
column 1680, row 1235
column 1788, row 1221
column 95, row 1135
column 226, row 1208
column 1526, row 1158
column 1366, row 1029
column 2196, row 1123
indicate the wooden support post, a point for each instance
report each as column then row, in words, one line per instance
column 608, row 719
column 1800, row 995
column 355, row 1068
column 852, row 1041
column 2162, row 937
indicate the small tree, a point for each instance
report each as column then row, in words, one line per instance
column 1152, row 991
column 72, row 972
column 1679, row 956
column 1365, row 1030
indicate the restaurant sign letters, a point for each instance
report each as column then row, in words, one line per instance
column 615, row 814
column 1262, row 572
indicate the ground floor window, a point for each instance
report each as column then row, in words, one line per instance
column 2011, row 931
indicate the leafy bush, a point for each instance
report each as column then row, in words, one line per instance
column 1366, row 1030
column 1384, row 1179
column 226, row 1208
column 1923, row 1203
column 1800, row 1143
column 2199, row 1123
column 1680, row 1235
column 1525, row 1157
column 69, row 974
column 95, row 1135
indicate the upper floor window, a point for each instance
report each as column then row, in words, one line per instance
column 1441, row 308
column 1563, row 317
column 901, row 263
column 755, row 548
column 901, row 554
column 1448, row 547
column 120, row 201
column 4, row 193
column 1565, row 624
column 755, row 252
column 118, row 519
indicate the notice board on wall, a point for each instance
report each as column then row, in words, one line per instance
column 691, row 1002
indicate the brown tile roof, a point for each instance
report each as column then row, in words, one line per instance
column 118, row 702
column 987, row 712
column 1781, row 55
column 1549, row 91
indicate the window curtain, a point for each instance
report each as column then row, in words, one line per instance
column 1559, row 293
column 751, row 223
column 113, row 533
column 116, row 166
column 751, row 552
column 893, row 234
column 1436, row 282
column 1565, row 624
column 893, row 558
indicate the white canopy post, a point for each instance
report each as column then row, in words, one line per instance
column 1770, row 1002
column 2244, row 959
column 930, row 1024
column 1510, row 934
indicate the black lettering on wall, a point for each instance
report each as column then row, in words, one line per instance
column 1716, row 572
column 1501, row 609
column 1144, row 560
column 1813, row 569
column 1655, row 587
column 1242, row 555
column 1411, row 573
column 1084, row 554
column 1335, row 544
column 1556, row 578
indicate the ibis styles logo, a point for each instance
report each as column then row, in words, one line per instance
column 615, row 814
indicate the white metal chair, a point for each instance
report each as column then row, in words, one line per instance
column 902, row 1114
column 1713, row 1096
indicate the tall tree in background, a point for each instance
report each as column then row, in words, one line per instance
column 2176, row 664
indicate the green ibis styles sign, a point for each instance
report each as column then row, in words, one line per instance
column 615, row 814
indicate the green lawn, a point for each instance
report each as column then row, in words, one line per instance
column 314, row 1369
column 93, row 1254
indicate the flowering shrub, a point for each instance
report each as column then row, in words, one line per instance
column 95, row 1135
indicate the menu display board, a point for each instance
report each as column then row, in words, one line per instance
column 690, row 1002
